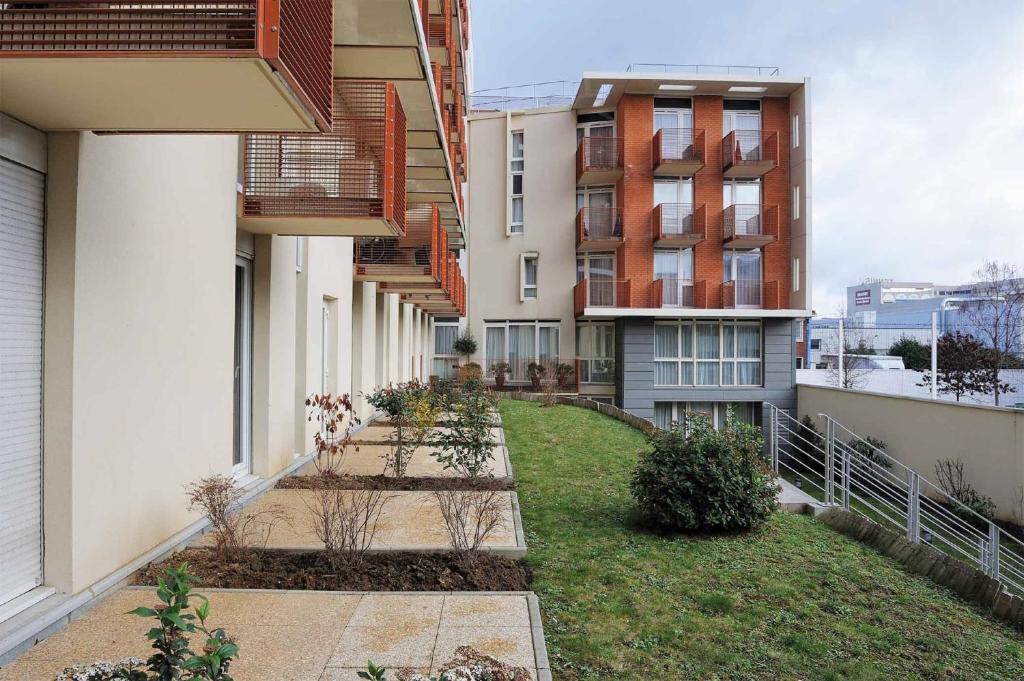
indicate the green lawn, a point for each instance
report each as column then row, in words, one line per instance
column 792, row 601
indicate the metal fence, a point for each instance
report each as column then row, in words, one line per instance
column 839, row 468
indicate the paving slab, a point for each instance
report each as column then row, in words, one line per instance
column 375, row 433
column 369, row 459
column 410, row 521
column 313, row 636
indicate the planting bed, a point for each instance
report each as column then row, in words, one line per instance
column 399, row 571
column 406, row 484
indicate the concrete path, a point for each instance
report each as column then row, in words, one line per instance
column 795, row 500
column 375, row 433
column 410, row 521
column 314, row 636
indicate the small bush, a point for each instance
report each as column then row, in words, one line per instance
column 951, row 478
column 708, row 480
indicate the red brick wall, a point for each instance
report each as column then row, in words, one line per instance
column 635, row 195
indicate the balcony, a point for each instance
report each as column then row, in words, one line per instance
column 450, row 299
column 749, row 153
column 753, row 294
column 682, row 293
column 591, row 293
column 417, row 258
column 153, row 66
column 678, row 151
column 679, row 225
column 599, row 160
column 746, row 225
column 350, row 182
column 598, row 229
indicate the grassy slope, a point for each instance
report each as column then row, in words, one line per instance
column 792, row 601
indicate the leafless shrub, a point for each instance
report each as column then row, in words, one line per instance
column 219, row 499
column 345, row 521
column 550, row 388
column 336, row 418
column 949, row 473
column 470, row 517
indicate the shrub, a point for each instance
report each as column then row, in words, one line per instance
column 465, row 345
column 336, row 417
column 710, row 480
column 469, row 518
column 470, row 372
column 220, row 501
column 345, row 521
column 467, row 445
column 175, row 621
column 130, row 669
column 564, row 372
column 413, row 412
column 950, row 474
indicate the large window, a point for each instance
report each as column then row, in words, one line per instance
column 595, row 350
column 521, row 343
column 445, row 358
column 708, row 353
column 516, row 168
column 667, row 413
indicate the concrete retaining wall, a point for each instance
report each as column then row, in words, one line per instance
column 989, row 440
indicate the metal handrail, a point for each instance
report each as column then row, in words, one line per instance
column 697, row 69
column 675, row 219
column 884, row 490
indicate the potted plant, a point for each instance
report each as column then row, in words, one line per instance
column 500, row 370
column 564, row 372
column 536, row 373
column 465, row 345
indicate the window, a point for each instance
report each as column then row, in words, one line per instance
column 796, row 202
column 796, row 274
column 744, row 269
column 815, row 344
column 445, row 358
column 595, row 350
column 667, row 413
column 516, row 167
column 598, row 270
column 521, row 343
column 675, row 267
column 528, row 276
column 711, row 353
column 795, row 135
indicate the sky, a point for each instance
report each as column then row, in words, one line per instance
column 917, row 110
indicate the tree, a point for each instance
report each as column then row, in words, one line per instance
column 916, row 355
column 995, row 314
column 963, row 365
column 856, row 369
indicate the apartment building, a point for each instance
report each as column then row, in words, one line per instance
column 654, row 232
column 207, row 213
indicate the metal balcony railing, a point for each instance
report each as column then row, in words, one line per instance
column 750, row 224
column 676, row 292
column 598, row 155
column 841, row 469
column 756, row 149
column 746, row 293
column 682, row 147
column 674, row 220
column 356, row 171
column 415, row 257
column 600, row 292
column 598, row 224
column 295, row 37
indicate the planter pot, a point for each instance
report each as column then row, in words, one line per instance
column 563, row 381
column 499, row 381
column 535, row 382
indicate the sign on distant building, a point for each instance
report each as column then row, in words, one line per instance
column 862, row 297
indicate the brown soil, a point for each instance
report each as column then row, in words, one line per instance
column 254, row 569
column 395, row 484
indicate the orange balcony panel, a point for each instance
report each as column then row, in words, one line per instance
column 150, row 66
column 598, row 229
column 747, row 226
column 750, row 294
column 350, row 182
column 601, row 293
column 670, row 292
column 678, row 151
column 749, row 153
column 599, row 160
column 410, row 259
column 679, row 225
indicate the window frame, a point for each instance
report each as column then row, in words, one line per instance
column 795, row 131
column 585, row 360
column 796, row 275
column 523, row 286
column 506, row 325
column 724, row 358
column 435, row 356
column 796, row 202
column 516, row 227
column 718, row 410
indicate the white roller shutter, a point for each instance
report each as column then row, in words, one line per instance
column 21, row 364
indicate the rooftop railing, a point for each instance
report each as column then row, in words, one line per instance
column 703, row 69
